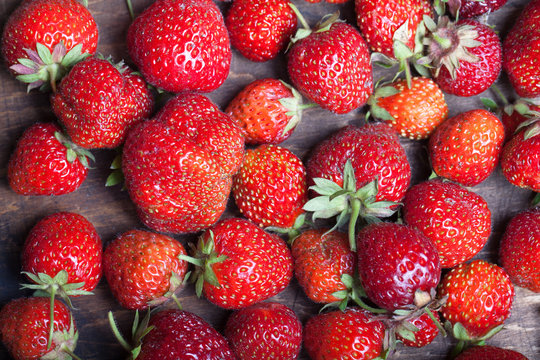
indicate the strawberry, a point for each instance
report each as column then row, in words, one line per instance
column 267, row 110
column 178, row 166
column 99, row 101
column 246, row 328
column 480, row 296
column 521, row 45
column 513, row 115
column 350, row 334
column 330, row 65
column 260, row 29
column 328, row 1
column 519, row 249
column 321, row 258
column 473, row 8
column 239, row 264
column 181, row 45
column 271, row 187
column 423, row 333
column 455, row 219
column 42, row 39
column 24, row 328
column 44, row 162
column 413, row 111
column 465, row 148
column 489, row 352
column 143, row 268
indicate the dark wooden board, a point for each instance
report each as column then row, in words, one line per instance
column 112, row 212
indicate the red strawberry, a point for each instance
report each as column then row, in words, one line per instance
column 517, row 113
column 239, row 264
column 328, row 1
column 473, row 8
column 268, row 110
column 260, row 29
column 321, row 258
column 98, row 102
column 143, row 268
column 42, row 39
column 350, row 334
column 24, row 329
column 270, row 187
column 181, row 45
column 520, row 247
column 413, row 111
column 455, row 219
column 521, row 61
column 46, row 163
column 465, row 148
column 331, row 66
column 480, row 296
column 489, row 352
column 246, row 328
column 399, row 277
column 425, row 331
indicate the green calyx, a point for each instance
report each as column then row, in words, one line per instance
column 65, row 343
column 460, row 333
column 375, row 110
column 294, row 106
column 531, row 127
column 116, row 176
column 75, row 152
column 139, row 330
column 324, row 25
column 293, row 232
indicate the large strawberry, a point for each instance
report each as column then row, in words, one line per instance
column 473, row 8
column 246, row 327
column 465, row 148
column 520, row 248
column 143, row 268
column 44, row 162
column 181, row 45
column 42, row 39
column 455, row 219
column 331, row 66
column 260, row 29
column 489, row 352
column 98, row 101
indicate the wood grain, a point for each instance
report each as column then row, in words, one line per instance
column 112, row 212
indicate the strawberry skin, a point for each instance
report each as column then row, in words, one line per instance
column 520, row 247
column 246, row 327
column 181, row 45
column 473, row 8
column 489, row 352
column 426, row 333
column 520, row 161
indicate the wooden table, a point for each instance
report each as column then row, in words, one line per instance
column 112, row 212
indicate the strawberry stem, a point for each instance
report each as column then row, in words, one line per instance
column 70, row 353
column 130, row 9
column 499, row 93
column 117, row 333
column 51, row 317
column 299, row 16
column 85, row 3
column 355, row 212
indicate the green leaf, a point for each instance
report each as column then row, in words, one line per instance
column 460, row 333
column 521, row 108
column 407, row 334
column 381, row 113
column 489, row 104
column 44, row 53
column 325, row 187
column 401, row 50
column 115, row 178
column 349, row 179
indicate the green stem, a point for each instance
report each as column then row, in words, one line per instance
column 130, row 9
column 85, row 3
column 300, row 17
column 117, row 333
column 70, row 353
column 355, row 212
column 458, row 349
column 365, row 306
column 177, row 302
column 51, row 317
column 408, row 75
column 499, row 93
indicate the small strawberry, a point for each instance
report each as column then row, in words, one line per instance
column 489, row 352
column 143, row 268
column 24, row 329
column 42, row 39
column 473, row 8
column 413, row 111
column 239, row 264
column 455, row 219
column 350, row 334
column 520, row 248
column 465, row 148
column 246, row 328
column 260, row 29
column 44, row 162
column 479, row 297
column 99, row 101
column 330, row 65
column 422, row 332
column 181, row 45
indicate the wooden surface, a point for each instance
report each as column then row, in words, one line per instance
column 112, row 212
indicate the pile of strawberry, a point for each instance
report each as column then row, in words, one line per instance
column 392, row 262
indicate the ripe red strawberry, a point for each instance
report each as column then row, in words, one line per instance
column 328, row 1
column 143, row 268
column 521, row 61
column 465, row 148
column 44, row 162
column 270, row 188
column 41, row 52
column 466, row 56
column 331, row 66
column 350, row 334
column 267, row 110
column 396, row 278
column 520, row 247
column 425, row 331
column 480, row 296
column 473, row 8
column 24, row 329
column 413, row 111
column 456, row 220
column 260, row 29
column 321, row 258
column 239, row 264
column 489, row 352
column 513, row 115
column 181, row 45
column 178, row 166
column 98, row 102
column 246, row 328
